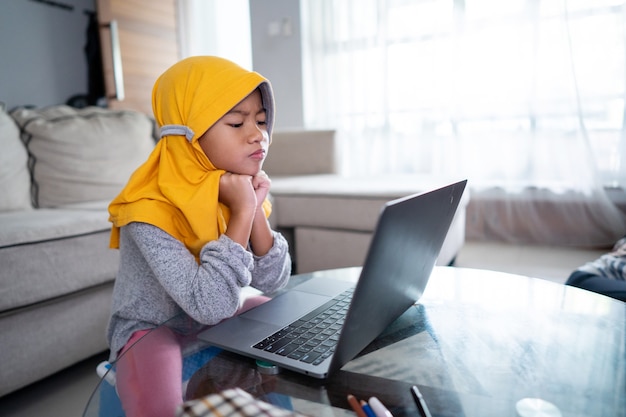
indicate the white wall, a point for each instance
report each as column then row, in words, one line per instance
column 42, row 61
column 277, row 55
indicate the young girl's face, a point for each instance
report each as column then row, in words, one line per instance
column 238, row 141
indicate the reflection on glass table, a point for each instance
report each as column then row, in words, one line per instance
column 476, row 344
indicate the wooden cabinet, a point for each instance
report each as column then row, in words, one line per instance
column 139, row 40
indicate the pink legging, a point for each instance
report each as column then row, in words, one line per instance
column 149, row 376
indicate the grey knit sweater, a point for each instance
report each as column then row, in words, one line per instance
column 159, row 278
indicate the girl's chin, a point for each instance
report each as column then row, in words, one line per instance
column 250, row 172
column 253, row 170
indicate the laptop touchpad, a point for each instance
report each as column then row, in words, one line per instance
column 286, row 308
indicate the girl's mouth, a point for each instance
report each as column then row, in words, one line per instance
column 258, row 155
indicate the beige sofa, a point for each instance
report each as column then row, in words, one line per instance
column 329, row 218
column 59, row 168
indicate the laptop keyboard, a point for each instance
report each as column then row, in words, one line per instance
column 313, row 337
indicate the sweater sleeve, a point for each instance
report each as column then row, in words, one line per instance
column 272, row 270
column 210, row 291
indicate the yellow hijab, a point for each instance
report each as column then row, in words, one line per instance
column 176, row 189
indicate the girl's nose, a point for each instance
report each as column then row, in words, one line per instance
column 258, row 134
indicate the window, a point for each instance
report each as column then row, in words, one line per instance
column 516, row 93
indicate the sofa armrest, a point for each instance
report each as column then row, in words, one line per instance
column 301, row 152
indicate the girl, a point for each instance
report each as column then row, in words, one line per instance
column 191, row 225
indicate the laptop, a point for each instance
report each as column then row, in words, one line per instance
column 318, row 326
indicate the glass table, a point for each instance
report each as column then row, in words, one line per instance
column 478, row 343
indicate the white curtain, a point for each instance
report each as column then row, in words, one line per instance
column 215, row 27
column 525, row 98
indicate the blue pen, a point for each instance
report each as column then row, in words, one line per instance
column 367, row 409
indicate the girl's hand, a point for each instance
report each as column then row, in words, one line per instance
column 261, row 237
column 244, row 195
column 261, row 184
column 238, row 193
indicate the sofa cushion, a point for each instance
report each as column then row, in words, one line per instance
column 79, row 155
column 14, row 176
column 47, row 253
column 341, row 202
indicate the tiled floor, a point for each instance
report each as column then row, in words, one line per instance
column 551, row 263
